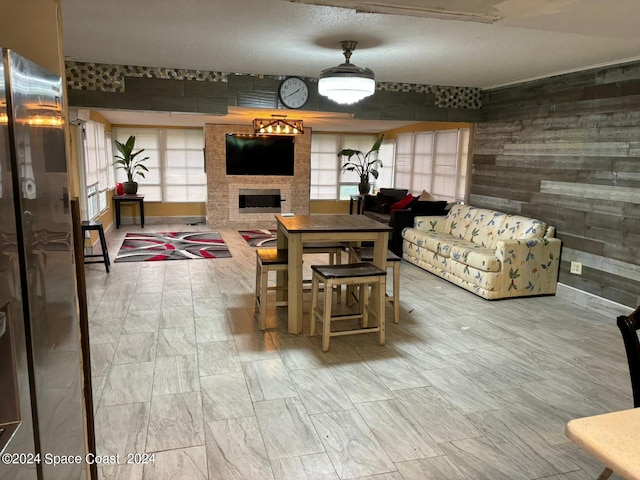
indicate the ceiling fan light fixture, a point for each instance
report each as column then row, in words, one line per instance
column 347, row 83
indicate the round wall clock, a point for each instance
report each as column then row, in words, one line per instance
column 294, row 92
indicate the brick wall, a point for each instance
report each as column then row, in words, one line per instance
column 222, row 201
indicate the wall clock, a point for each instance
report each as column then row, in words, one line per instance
column 294, row 92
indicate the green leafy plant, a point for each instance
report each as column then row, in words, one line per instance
column 364, row 164
column 128, row 161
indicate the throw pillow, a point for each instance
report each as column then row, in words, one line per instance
column 427, row 197
column 401, row 204
column 395, row 193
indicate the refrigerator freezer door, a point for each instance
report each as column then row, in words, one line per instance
column 41, row 245
column 14, row 364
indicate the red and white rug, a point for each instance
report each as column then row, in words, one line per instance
column 157, row 246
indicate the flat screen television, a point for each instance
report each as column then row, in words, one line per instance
column 260, row 155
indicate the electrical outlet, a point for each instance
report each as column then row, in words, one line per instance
column 576, row 268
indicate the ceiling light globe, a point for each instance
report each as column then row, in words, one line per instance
column 346, row 90
column 347, row 83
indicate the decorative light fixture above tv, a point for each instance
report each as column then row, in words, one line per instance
column 277, row 125
column 347, row 83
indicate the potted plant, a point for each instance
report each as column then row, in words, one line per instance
column 364, row 164
column 132, row 166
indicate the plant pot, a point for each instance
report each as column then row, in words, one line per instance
column 130, row 188
column 364, row 188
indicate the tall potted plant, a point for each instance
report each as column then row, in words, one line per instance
column 128, row 161
column 364, row 164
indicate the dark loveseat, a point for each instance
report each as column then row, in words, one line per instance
column 397, row 208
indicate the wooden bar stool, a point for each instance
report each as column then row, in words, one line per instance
column 334, row 249
column 97, row 226
column 365, row 254
column 267, row 260
column 363, row 274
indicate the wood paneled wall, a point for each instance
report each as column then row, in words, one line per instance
column 566, row 150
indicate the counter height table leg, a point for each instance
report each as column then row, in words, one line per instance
column 295, row 284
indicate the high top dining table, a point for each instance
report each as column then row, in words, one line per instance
column 296, row 230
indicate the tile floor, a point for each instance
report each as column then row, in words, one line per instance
column 464, row 389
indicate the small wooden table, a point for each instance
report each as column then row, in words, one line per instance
column 138, row 198
column 612, row 439
column 299, row 229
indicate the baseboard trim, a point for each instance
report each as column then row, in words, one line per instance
column 592, row 302
column 163, row 220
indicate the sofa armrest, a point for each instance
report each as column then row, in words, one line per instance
column 543, row 251
column 531, row 264
column 400, row 219
column 429, row 223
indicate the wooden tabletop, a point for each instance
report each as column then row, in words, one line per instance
column 331, row 223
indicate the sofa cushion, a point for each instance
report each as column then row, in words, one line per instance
column 386, row 197
column 476, row 256
column 517, row 226
column 381, row 203
column 396, row 193
column 430, row 223
column 485, row 226
column 440, row 243
column 427, row 197
column 459, row 219
column 402, row 203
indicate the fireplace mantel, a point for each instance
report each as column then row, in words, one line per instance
column 222, row 189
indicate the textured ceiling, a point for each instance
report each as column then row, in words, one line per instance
column 480, row 43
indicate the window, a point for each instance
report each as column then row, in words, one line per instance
column 328, row 182
column 92, row 201
column 387, row 157
column 97, row 161
column 147, row 139
column 433, row 161
column 176, row 163
column 324, row 166
column 105, row 172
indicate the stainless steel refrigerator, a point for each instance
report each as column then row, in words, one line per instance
column 42, row 407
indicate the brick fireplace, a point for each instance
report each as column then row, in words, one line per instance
column 224, row 191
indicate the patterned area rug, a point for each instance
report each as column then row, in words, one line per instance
column 152, row 247
column 259, row 238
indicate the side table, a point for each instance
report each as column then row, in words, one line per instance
column 119, row 199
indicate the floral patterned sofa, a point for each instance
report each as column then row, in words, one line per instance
column 490, row 253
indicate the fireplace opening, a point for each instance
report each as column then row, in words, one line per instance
column 255, row 200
